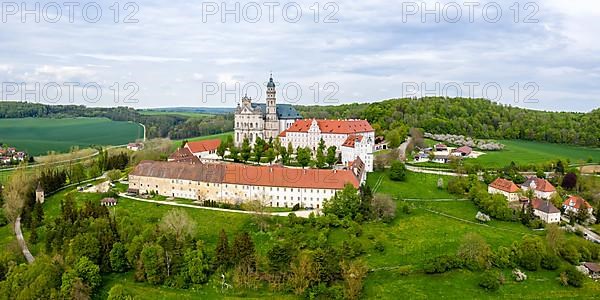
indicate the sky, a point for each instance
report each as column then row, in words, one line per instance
column 542, row 55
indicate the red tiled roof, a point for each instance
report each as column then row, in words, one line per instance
column 576, row 202
column 541, row 184
column 287, row 177
column 248, row 175
column 504, row 185
column 332, row 126
column 464, row 149
column 349, row 142
column 180, row 170
column 183, row 155
column 203, row 146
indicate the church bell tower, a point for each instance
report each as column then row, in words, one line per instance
column 271, row 119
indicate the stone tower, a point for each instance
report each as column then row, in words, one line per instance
column 271, row 120
column 39, row 194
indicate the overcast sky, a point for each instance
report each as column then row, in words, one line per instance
column 541, row 55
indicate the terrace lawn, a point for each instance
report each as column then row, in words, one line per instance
column 37, row 136
column 528, row 152
column 416, row 185
column 222, row 136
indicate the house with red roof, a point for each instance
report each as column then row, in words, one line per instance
column 351, row 138
column 206, row 149
column 505, row 187
column 576, row 203
column 462, row 151
column 541, row 187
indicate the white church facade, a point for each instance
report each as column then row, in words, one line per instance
column 264, row 120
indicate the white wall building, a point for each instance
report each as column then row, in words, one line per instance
column 504, row 187
column 236, row 183
column 541, row 187
column 351, row 138
column 546, row 211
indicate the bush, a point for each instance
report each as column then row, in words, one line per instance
column 3, row 219
column 379, row 247
column 491, row 281
column 405, row 270
column 570, row 276
column 569, row 253
column 550, row 262
column 442, row 264
column 398, row 171
column 296, row 207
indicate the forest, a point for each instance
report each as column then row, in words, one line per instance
column 477, row 118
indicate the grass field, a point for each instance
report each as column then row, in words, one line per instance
column 38, row 136
column 409, row 240
column 222, row 136
column 527, row 152
column 416, row 185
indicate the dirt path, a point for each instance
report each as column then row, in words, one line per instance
column 299, row 213
column 30, row 259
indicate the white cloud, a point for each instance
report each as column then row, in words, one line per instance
column 135, row 58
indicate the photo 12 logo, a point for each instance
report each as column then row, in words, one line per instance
column 71, row 92
column 472, row 11
column 519, row 92
column 291, row 92
column 254, row 12
column 54, row 12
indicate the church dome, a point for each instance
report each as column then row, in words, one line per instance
column 271, row 83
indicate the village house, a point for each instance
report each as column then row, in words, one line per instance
column 204, row 150
column 504, row 187
column 576, row 203
column 463, row 151
column 541, row 187
column 380, row 144
column 441, row 159
column 545, row 211
column 440, row 147
column 183, row 155
column 135, row 146
column 351, row 138
column 237, row 183
column 593, row 270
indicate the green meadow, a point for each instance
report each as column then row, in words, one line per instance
column 528, row 152
column 430, row 228
column 37, row 136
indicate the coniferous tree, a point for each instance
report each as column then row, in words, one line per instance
column 222, row 251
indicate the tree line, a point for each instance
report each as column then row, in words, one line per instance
column 162, row 125
column 478, row 118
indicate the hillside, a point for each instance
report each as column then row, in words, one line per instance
column 477, row 118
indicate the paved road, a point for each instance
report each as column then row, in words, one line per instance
column 402, row 149
column 300, row 213
column 21, row 241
